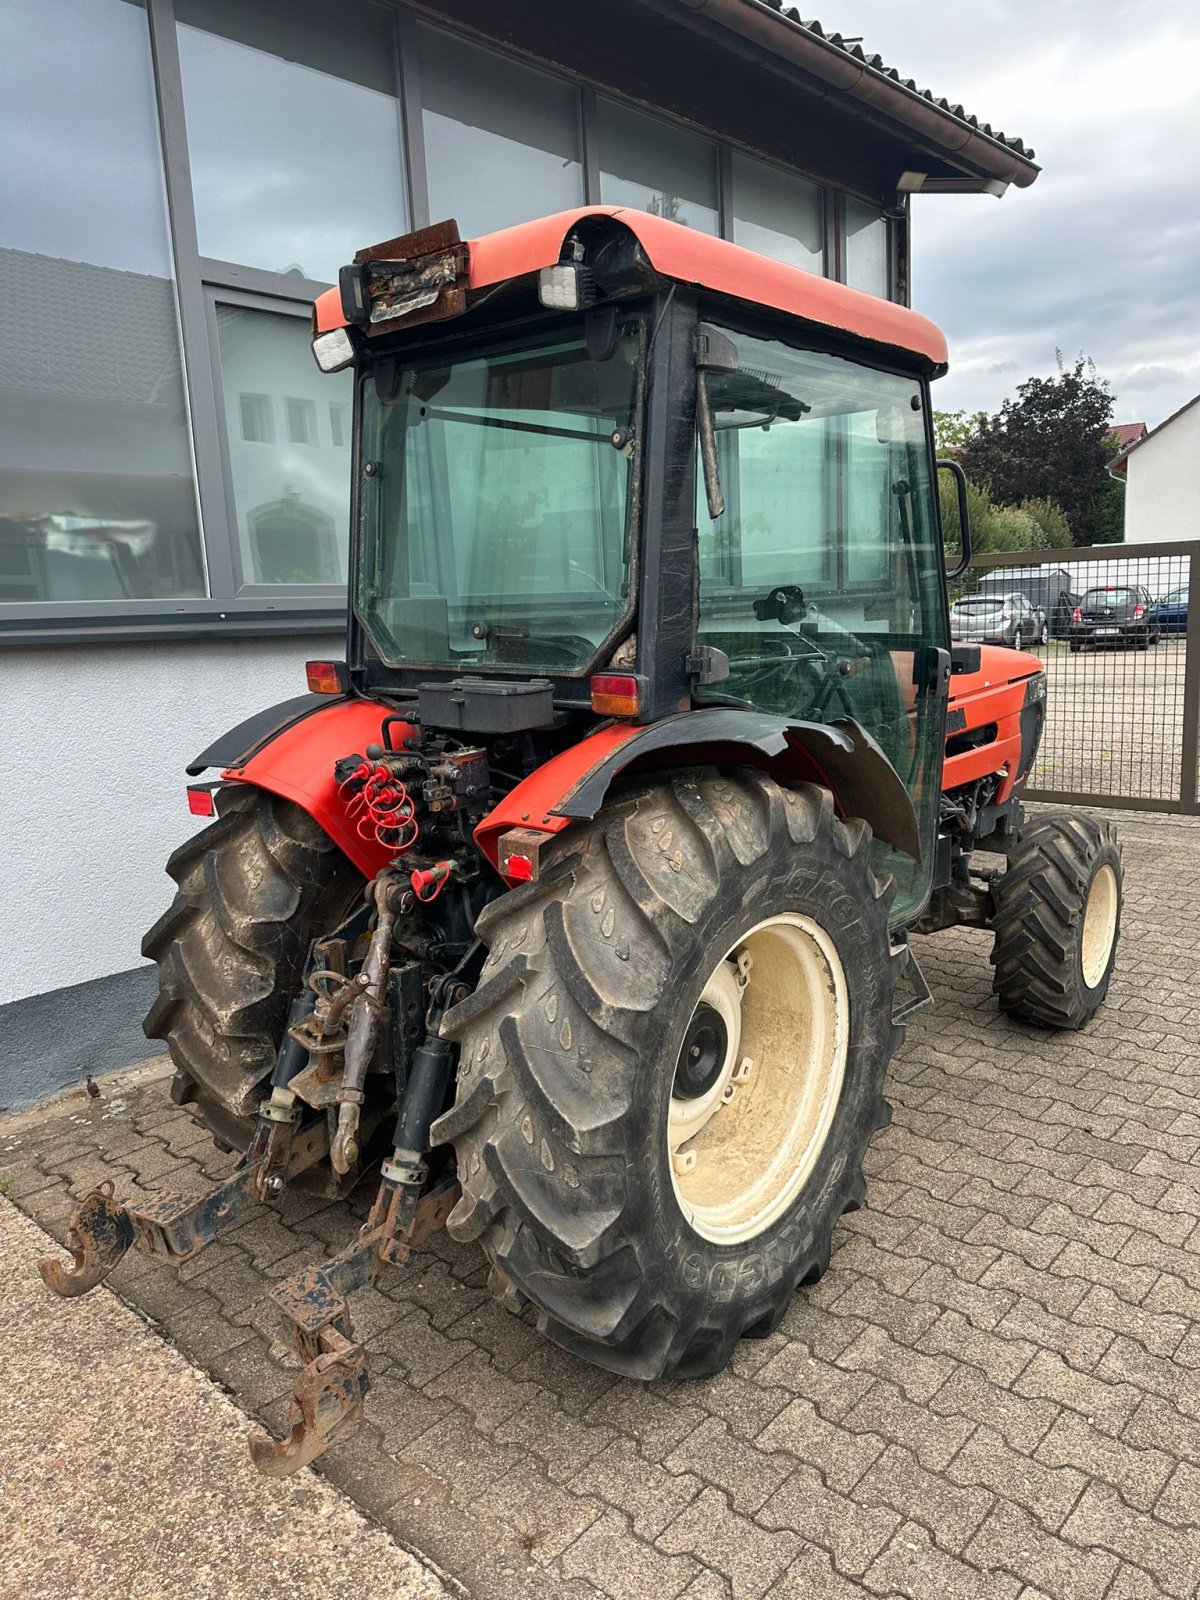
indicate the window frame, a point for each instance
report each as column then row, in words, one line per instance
column 232, row 606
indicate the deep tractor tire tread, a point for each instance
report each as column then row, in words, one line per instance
column 1038, row 905
column 564, row 1034
column 253, row 889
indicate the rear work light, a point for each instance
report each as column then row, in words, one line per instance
column 616, row 694
column 333, row 350
column 201, row 798
column 566, row 287
column 325, row 677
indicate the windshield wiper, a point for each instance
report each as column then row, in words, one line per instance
column 525, row 427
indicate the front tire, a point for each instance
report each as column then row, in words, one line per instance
column 254, row 888
column 600, row 976
column 1057, row 919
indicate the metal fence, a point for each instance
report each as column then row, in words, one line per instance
column 1123, row 683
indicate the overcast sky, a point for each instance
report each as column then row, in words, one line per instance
column 1102, row 254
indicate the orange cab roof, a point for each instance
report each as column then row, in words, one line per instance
column 683, row 253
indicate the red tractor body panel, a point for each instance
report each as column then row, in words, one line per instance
column 692, row 257
column 298, row 764
column 993, row 695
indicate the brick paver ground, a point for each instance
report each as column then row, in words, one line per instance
column 994, row 1392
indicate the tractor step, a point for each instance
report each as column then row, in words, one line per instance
column 327, row 1396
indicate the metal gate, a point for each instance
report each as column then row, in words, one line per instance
column 1122, row 661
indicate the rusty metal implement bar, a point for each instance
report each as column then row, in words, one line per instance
column 327, row 1396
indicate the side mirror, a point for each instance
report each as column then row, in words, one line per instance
column 964, row 517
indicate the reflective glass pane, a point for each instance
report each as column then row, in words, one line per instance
column 287, row 448
column 657, row 167
column 866, row 248
column 97, row 500
column 496, row 533
column 777, row 214
column 501, row 140
column 820, row 581
column 294, row 132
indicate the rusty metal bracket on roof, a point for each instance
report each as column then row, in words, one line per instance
column 327, row 1396
column 175, row 1227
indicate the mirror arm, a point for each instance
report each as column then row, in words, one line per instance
column 708, row 448
column 964, row 516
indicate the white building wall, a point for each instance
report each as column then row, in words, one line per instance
column 1162, row 496
column 95, row 739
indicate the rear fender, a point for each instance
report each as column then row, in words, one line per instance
column 840, row 756
column 290, row 751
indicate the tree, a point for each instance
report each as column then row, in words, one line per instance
column 1050, row 443
column 952, row 429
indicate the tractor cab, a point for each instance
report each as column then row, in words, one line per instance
column 608, row 467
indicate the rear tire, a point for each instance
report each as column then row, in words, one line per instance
column 253, row 890
column 571, row 1055
column 1057, row 919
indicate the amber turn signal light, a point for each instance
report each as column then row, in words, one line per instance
column 325, row 677
column 615, row 694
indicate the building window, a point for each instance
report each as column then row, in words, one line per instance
column 339, row 423
column 866, row 248
column 258, row 425
column 501, row 140
column 302, row 421
column 290, row 500
column 777, row 214
column 294, row 133
column 657, row 167
column 97, row 499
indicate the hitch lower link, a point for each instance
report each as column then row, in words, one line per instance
column 176, row 1227
column 327, row 1396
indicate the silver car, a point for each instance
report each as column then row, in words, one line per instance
column 1006, row 619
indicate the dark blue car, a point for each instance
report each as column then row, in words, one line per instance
column 1171, row 611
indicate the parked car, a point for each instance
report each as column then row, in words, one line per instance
column 1115, row 614
column 1171, row 612
column 1047, row 589
column 998, row 619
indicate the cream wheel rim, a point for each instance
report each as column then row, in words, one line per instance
column 767, row 1049
column 1099, row 926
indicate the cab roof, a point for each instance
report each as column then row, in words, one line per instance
column 682, row 253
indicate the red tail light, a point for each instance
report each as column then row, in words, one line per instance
column 201, row 798
column 325, row 677
column 1077, row 615
column 615, row 694
column 1139, row 611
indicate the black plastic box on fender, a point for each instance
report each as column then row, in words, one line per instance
column 486, row 705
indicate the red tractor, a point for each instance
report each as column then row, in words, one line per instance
column 578, row 896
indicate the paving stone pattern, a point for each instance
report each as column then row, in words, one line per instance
column 995, row 1391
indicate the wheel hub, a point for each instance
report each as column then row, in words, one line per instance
column 702, row 1058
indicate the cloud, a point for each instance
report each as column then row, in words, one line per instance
column 1102, row 254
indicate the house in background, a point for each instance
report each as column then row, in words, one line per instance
column 1161, row 468
column 183, row 178
column 1127, row 433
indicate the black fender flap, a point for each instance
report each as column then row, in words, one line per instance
column 234, row 749
column 841, row 754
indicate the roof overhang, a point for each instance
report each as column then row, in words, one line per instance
column 757, row 75
column 989, row 159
